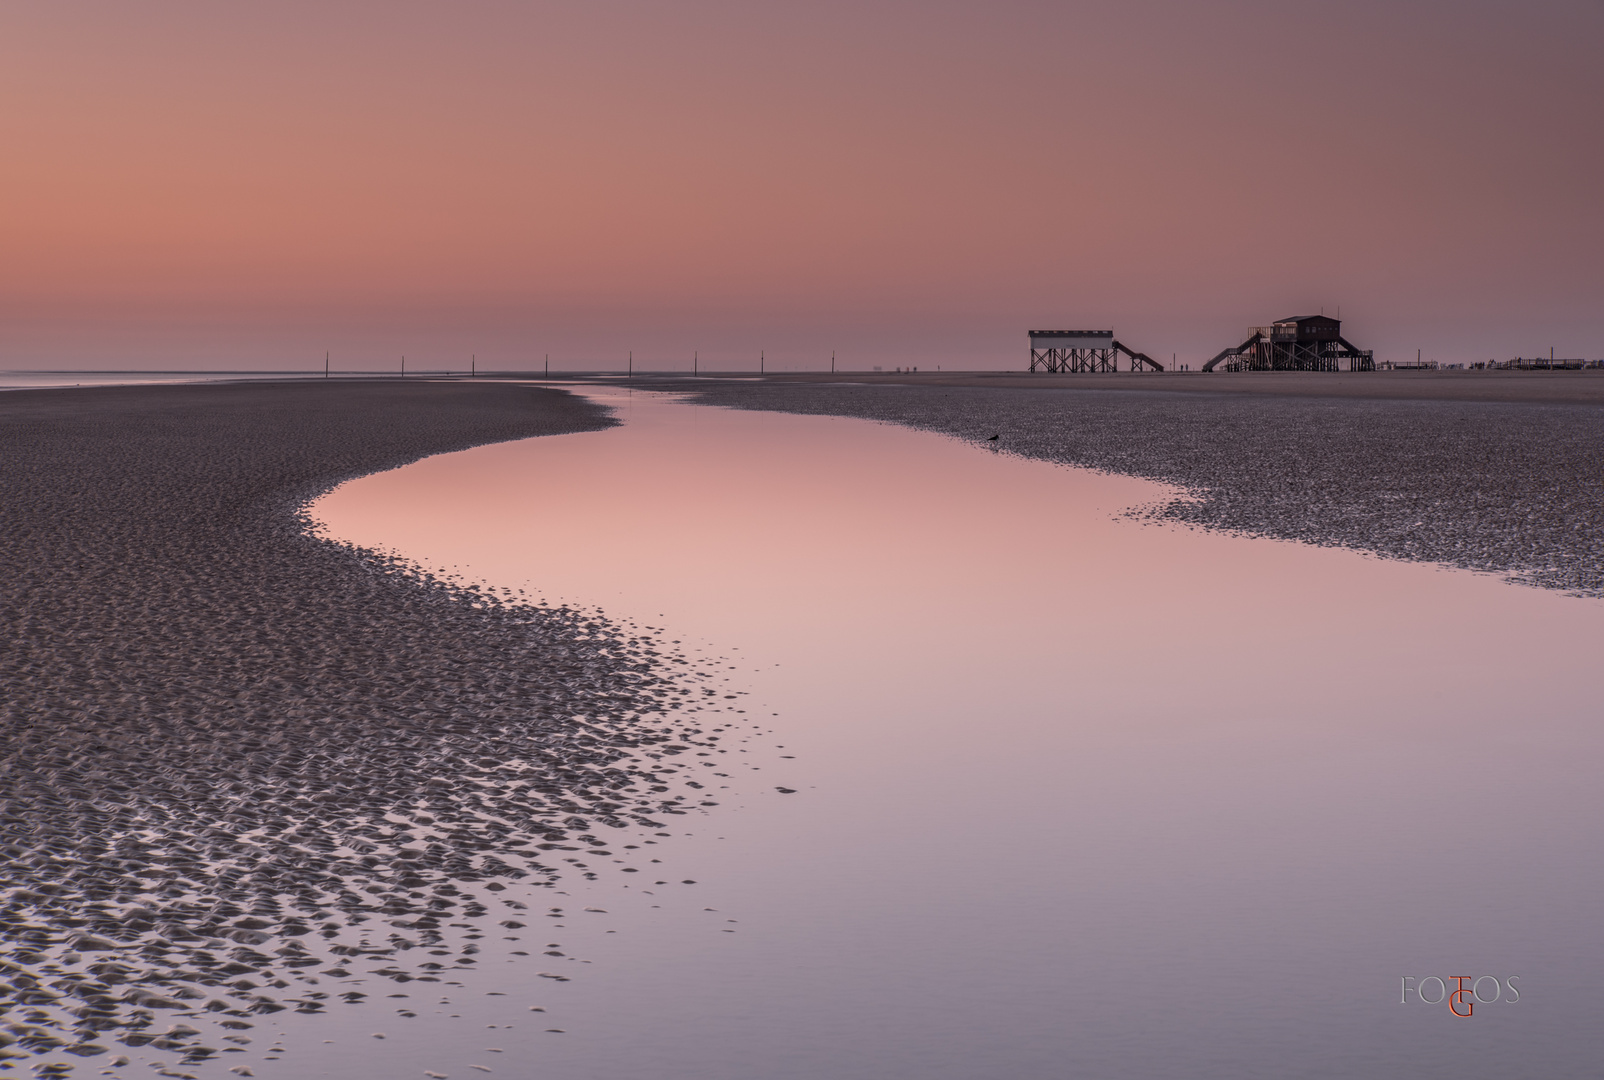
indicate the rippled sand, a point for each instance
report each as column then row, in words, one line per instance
column 235, row 758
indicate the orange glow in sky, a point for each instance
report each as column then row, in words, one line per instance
column 218, row 185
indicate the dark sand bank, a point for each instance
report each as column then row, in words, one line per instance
column 225, row 746
column 1532, row 387
column 1510, row 482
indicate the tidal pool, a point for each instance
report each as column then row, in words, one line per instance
column 1043, row 791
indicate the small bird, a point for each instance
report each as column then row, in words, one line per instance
column 992, row 439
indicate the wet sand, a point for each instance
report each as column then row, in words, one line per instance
column 1500, row 472
column 237, row 762
column 226, row 745
column 1532, row 387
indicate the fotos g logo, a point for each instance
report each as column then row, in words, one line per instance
column 1461, row 998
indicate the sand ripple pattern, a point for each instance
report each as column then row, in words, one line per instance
column 234, row 757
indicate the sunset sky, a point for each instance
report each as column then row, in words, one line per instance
column 193, row 185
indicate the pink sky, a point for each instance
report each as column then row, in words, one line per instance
column 205, row 185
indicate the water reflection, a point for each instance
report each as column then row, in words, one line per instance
column 38, row 380
column 1050, row 792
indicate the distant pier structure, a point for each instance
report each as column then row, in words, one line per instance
column 1064, row 351
column 1299, row 343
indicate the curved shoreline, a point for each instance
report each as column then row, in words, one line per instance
column 1514, row 488
column 223, row 739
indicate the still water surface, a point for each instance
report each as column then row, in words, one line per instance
column 39, row 380
column 1072, row 796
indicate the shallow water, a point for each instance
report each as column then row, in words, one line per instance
column 39, row 380
column 1071, row 795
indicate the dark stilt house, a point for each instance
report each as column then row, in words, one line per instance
column 1302, row 343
